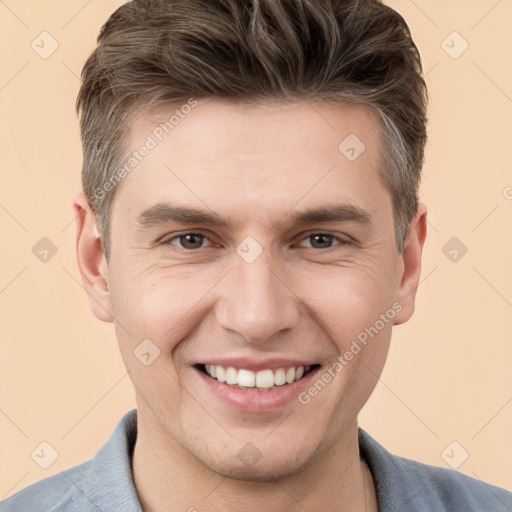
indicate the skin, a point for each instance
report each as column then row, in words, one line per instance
column 253, row 165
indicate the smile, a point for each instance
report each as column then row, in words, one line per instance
column 263, row 380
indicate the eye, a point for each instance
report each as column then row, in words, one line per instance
column 322, row 240
column 188, row 241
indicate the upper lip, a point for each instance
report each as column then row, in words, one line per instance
column 257, row 364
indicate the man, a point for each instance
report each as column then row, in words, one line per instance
column 249, row 213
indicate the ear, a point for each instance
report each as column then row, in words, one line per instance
column 91, row 259
column 410, row 261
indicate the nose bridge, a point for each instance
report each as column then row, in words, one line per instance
column 256, row 303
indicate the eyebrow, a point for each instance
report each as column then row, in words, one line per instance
column 335, row 213
column 162, row 213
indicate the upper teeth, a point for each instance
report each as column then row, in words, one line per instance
column 263, row 379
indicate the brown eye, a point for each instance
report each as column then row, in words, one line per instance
column 189, row 241
column 321, row 241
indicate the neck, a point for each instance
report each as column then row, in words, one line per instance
column 168, row 478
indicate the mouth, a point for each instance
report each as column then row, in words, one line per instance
column 262, row 380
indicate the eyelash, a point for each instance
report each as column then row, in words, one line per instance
column 309, row 235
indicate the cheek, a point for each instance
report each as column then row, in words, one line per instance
column 355, row 309
column 150, row 321
column 348, row 300
column 348, row 304
column 160, row 304
column 150, row 308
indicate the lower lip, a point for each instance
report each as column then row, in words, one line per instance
column 252, row 400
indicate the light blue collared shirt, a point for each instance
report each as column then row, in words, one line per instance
column 105, row 483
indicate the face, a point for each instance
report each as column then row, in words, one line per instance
column 249, row 246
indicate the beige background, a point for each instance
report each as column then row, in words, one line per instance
column 448, row 376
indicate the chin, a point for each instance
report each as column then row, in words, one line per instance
column 252, row 466
column 259, row 472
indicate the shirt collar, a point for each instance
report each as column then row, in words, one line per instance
column 397, row 485
column 110, row 485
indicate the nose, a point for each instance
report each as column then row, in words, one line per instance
column 257, row 302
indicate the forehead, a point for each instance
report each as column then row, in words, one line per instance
column 265, row 129
column 267, row 156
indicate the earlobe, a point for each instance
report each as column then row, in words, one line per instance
column 411, row 264
column 91, row 259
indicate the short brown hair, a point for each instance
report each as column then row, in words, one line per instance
column 154, row 52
